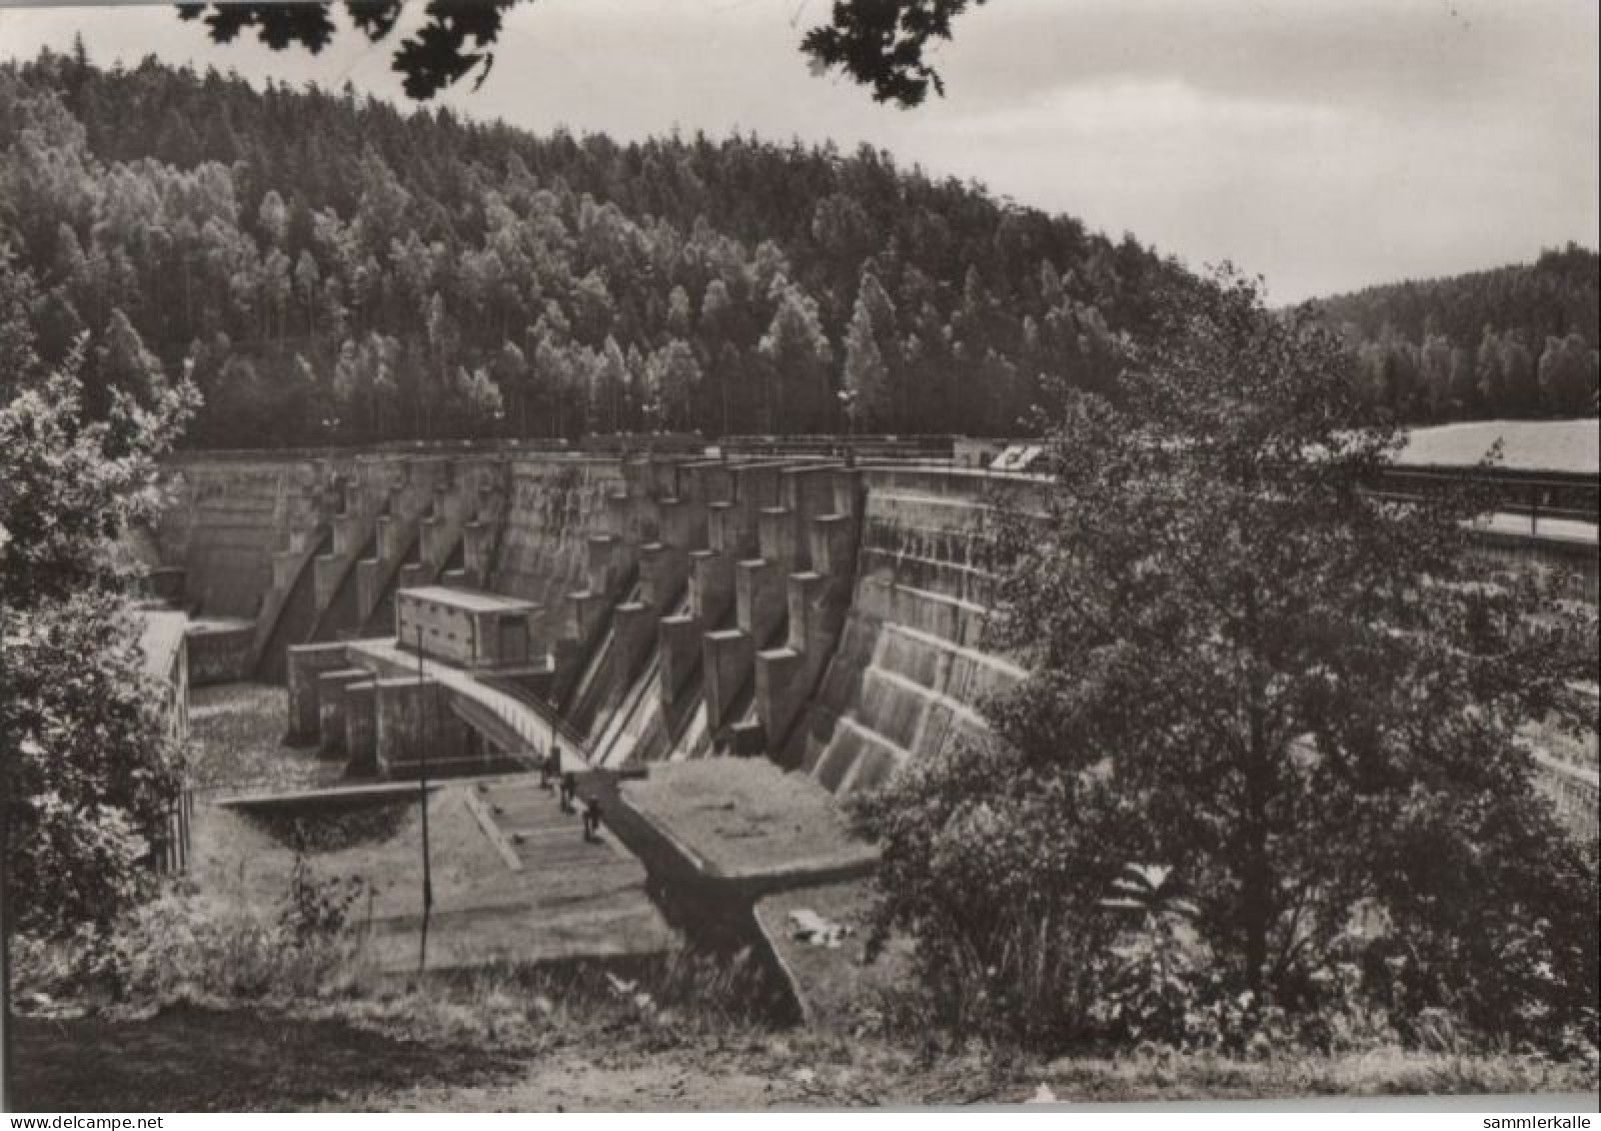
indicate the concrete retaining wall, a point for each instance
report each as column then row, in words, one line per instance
column 220, row 653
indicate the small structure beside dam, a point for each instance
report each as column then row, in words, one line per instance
column 820, row 619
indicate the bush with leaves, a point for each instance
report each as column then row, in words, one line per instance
column 184, row 946
column 997, row 871
column 89, row 770
column 316, row 908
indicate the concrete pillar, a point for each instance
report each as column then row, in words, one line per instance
column 349, row 533
column 638, row 477
column 780, row 690
column 847, row 491
column 619, row 513
column 808, row 490
column 305, row 663
column 477, row 539
column 805, row 594
column 633, row 631
column 684, row 524
column 361, row 727
column 755, row 486
column 778, row 534
column 565, row 654
column 760, row 599
column 711, row 585
column 679, row 642
column 369, row 586
column 586, row 612
column 410, row 714
column 747, row 739
column 328, row 569
column 723, row 530
column 602, row 561
column 708, row 483
column 433, row 540
column 331, row 705
column 284, row 565
column 663, row 570
column 391, row 537
column 726, row 660
column 833, row 545
column 663, row 477
column 302, row 538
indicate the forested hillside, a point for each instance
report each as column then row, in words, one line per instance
column 1517, row 341
column 329, row 269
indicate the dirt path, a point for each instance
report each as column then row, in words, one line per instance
column 188, row 1059
column 575, row 1082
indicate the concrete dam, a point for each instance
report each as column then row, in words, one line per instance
column 827, row 617
column 716, row 648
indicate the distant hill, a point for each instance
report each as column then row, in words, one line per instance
column 1516, row 341
column 331, row 269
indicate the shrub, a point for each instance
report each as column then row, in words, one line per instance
column 998, row 873
column 184, row 947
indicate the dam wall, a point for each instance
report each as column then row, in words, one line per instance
column 832, row 618
column 554, row 507
column 223, row 519
column 915, row 661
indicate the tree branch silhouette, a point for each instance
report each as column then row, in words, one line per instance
column 878, row 43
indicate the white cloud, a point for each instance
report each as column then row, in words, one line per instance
column 1131, row 107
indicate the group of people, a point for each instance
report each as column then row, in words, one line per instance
column 567, row 787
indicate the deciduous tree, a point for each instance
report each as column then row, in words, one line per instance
column 88, row 770
column 1302, row 696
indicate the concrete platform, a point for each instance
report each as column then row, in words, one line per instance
column 514, row 880
column 747, row 822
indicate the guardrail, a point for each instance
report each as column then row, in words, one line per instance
column 867, row 446
column 1568, row 496
column 547, row 715
column 385, row 447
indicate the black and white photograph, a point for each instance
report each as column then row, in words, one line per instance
column 652, row 556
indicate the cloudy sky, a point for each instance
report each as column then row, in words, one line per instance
column 1325, row 144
